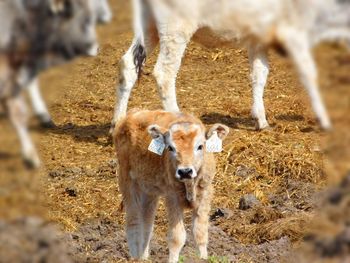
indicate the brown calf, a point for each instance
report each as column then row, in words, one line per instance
column 180, row 168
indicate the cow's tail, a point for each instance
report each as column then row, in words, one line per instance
column 139, row 54
column 139, row 50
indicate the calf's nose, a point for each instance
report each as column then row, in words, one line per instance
column 185, row 173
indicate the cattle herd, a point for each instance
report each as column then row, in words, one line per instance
column 161, row 153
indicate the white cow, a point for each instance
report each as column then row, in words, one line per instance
column 50, row 33
column 102, row 14
column 293, row 26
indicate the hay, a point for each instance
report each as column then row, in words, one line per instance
column 213, row 84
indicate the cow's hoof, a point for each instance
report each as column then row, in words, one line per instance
column 105, row 19
column 31, row 163
column 47, row 124
column 327, row 128
column 262, row 126
column 111, row 129
column 266, row 128
column 45, row 121
column 325, row 124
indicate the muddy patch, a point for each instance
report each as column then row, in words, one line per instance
column 104, row 241
column 30, row 239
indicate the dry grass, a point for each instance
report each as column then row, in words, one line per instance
column 282, row 167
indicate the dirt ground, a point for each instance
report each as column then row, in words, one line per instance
column 288, row 169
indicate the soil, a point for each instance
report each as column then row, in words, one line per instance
column 288, row 169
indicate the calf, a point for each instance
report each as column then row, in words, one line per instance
column 291, row 26
column 35, row 35
column 166, row 154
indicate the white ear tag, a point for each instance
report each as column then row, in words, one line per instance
column 157, row 146
column 214, row 143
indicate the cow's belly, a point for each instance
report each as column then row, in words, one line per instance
column 244, row 19
column 209, row 38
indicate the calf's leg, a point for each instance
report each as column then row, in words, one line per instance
column 201, row 222
column 149, row 207
column 130, row 65
column 177, row 232
column 134, row 221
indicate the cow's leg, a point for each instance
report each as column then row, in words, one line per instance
column 201, row 223
column 134, row 222
column 172, row 48
column 298, row 47
column 128, row 75
column 127, row 78
column 259, row 72
column 149, row 207
column 145, row 40
column 19, row 117
column 177, row 232
column 39, row 105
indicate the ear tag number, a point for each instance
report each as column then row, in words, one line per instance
column 157, row 146
column 214, row 143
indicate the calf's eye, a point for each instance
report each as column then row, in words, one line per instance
column 200, row 147
column 171, row 149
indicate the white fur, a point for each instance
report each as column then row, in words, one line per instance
column 127, row 70
column 38, row 103
column 297, row 25
column 19, row 117
column 259, row 72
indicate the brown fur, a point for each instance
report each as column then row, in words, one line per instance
column 144, row 176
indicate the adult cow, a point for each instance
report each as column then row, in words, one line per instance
column 102, row 14
column 34, row 35
column 293, row 26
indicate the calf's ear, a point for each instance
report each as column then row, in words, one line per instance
column 221, row 130
column 156, row 131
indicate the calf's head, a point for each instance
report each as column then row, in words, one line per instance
column 184, row 144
